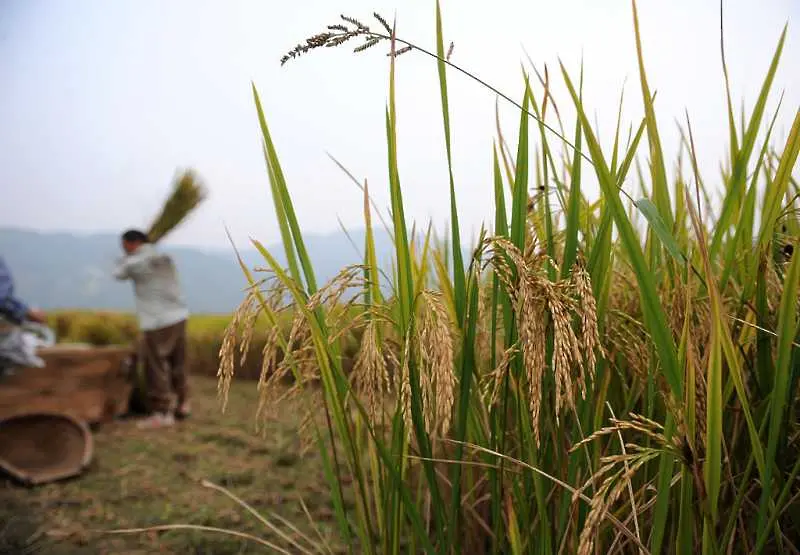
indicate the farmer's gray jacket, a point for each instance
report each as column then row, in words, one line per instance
column 159, row 301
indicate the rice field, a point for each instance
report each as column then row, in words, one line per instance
column 609, row 374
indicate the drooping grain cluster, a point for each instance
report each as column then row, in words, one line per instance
column 227, row 353
column 610, row 490
column 690, row 315
column 370, row 372
column 590, row 334
column 430, row 348
column 493, row 380
column 539, row 302
column 289, row 358
column 435, row 353
column 625, row 337
column 618, row 471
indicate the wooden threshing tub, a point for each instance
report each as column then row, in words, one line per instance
column 91, row 384
column 45, row 412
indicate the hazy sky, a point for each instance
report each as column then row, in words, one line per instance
column 101, row 101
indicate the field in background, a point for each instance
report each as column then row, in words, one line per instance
column 206, row 332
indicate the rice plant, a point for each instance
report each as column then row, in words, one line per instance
column 580, row 384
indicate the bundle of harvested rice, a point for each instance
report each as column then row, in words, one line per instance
column 187, row 193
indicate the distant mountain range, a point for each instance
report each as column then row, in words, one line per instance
column 64, row 270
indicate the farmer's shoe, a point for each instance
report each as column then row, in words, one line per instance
column 156, row 420
column 184, row 410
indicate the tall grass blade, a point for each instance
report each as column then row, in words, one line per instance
column 745, row 228
column 657, row 166
column 573, row 220
column 655, row 317
column 712, row 467
column 650, row 212
column 738, row 176
column 286, row 210
column 459, row 285
column 780, row 184
column 787, row 331
column 407, row 299
column 519, row 204
column 734, row 142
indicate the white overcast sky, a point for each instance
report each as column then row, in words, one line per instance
column 101, row 101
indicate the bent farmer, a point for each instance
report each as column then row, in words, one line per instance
column 162, row 315
column 12, row 308
column 15, row 350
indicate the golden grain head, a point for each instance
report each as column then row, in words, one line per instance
column 307, row 425
column 636, row 423
column 628, row 339
column 483, row 325
column 270, row 374
column 330, row 294
column 590, row 334
column 227, row 365
column 701, row 399
column 405, row 384
column 248, row 322
column 604, row 498
column 566, row 351
column 423, row 348
column 532, row 329
column 437, row 375
column 187, row 193
column 370, row 373
column 539, row 303
column 493, row 381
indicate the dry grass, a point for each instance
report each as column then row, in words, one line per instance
column 146, row 478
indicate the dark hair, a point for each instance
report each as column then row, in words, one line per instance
column 135, row 236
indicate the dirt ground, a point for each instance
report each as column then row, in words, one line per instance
column 148, row 478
